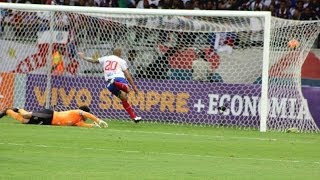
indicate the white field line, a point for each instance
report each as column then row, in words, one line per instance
column 160, row 153
column 195, row 135
column 213, row 137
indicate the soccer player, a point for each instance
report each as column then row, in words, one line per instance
column 117, row 75
column 76, row 117
column 201, row 68
column 57, row 61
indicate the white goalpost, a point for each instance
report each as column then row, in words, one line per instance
column 187, row 64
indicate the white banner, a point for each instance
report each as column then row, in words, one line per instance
column 57, row 37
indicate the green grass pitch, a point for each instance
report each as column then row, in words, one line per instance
column 154, row 151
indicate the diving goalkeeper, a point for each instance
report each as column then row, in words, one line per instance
column 76, row 117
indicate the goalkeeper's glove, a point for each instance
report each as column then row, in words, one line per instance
column 102, row 123
column 96, row 125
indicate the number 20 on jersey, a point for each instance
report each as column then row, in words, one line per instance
column 110, row 65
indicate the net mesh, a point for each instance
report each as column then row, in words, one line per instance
column 288, row 107
column 185, row 67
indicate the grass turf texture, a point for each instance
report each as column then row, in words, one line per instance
column 154, row 151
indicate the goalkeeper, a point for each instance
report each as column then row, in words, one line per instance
column 76, row 117
column 117, row 75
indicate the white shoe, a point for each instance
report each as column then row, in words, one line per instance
column 110, row 81
column 137, row 119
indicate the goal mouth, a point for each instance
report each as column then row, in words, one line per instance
column 186, row 64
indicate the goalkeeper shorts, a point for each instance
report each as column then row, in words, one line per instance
column 42, row 117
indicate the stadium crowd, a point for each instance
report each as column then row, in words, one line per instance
column 288, row 9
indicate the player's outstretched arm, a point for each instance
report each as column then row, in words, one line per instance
column 86, row 58
column 98, row 121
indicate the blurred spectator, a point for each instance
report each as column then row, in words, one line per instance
column 131, row 3
column 90, row 3
column 297, row 10
column 288, row 9
column 306, row 3
column 308, row 14
column 143, row 4
column 196, row 5
column 65, row 2
column 120, row 3
column 211, row 5
column 81, row 3
column 177, row 4
column 135, row 69
column 283, row 11
column 160, row 4
column 160, row 67
column 106, row 3
column 270, row 8
column 73, row 2
column 57, row 61
column 267, row 3
column 291, row 3
column 227, row 4
column 256, row 5
column 276, row 3
column 165, row 4
column 188, row 5
column 155, row 2
column 223, row 4
column 315, row 5
column 47, row 2
column 201, row 68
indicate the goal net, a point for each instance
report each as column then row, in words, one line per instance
column 186, row 64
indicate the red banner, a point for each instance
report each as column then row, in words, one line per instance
column 6, row 90
column 311, row 67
